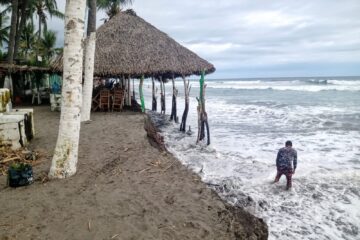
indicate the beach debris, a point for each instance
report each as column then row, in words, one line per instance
column 168, row 167
column 169, row 200
column 114, row 236
column 20, row 174
column 9, row 156
column 156, row 139
column 43, row 177
column 189, row 132
column 126, row 149
column 89, row 225
column 157, row 163
column 144, row 170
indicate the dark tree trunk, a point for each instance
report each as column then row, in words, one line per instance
column 184, row 117
column 186, row 110
column 24, row 6
column 173, row 115
column 154, row 101
column 12, row 35
column 39, row 38
column 92, row 17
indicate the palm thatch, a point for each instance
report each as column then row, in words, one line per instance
column 129, row 46
column 13, row 68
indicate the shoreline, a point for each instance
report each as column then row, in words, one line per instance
column 124, row 188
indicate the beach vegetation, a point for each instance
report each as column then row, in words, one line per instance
column 25, row 40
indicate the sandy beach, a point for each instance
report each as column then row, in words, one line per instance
column 124, row 189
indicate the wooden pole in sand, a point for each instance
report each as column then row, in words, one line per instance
column 124, row 87
column 173, row 115
column 128, row 91
column 133, row 95
column 162, row 96
column 142, row 94
column 202, row 115
column 187, row 89
column 154, row 100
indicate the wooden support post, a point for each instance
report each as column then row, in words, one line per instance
column 187, row 89
column 133, row 95
column 173, row 115
column 202, row 115
column 154, row 99
column 128, row 91
column 142, row 94
column 124, row 87
column 162, row 96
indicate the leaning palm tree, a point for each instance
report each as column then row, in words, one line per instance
column 66, row 151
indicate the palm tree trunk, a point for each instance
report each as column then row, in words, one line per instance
column 66, row 151
column 89, row 77
column 89, row 62
column 21, row 27
column 39, row 38
column 91, row 17
column 12, row 35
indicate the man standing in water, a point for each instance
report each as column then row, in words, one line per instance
column 286, row 162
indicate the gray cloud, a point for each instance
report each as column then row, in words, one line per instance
column 250, row 38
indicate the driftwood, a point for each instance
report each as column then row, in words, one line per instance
column 187, row 89
column 153, row 134
column 9, row 156
column 154, row 99
column 173, row 115
column 202, row 115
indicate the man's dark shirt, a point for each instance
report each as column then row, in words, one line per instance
column 286, row 158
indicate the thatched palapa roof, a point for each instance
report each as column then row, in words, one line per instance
column 13, row 68
column 127, row 45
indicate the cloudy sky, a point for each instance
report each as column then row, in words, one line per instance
column 260, row 38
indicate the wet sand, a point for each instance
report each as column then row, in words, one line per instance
column 124, row 189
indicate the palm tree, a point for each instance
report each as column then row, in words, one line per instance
column 66, row 151
column 12, row 35
column 4, row 29
column 89, row 63
column 47, row 45
column 42, row 9
column 27, row 40
column 112, row 7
